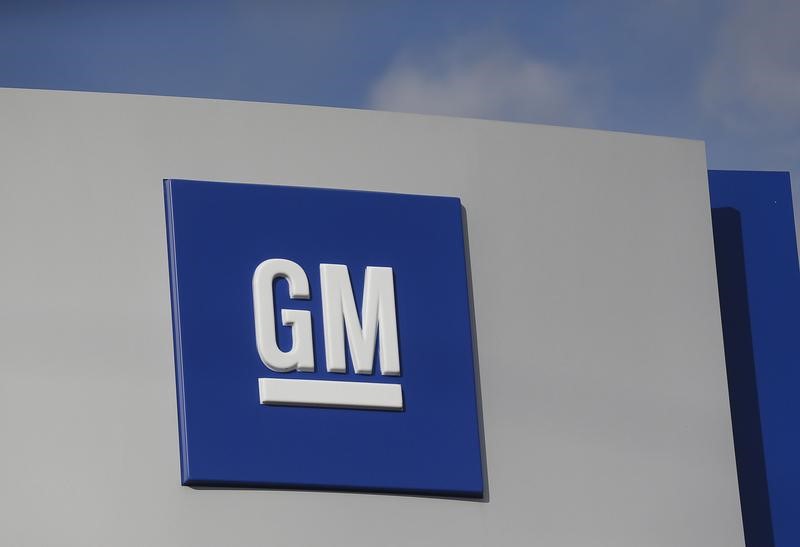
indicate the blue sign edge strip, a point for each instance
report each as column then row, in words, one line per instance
column 176, row 332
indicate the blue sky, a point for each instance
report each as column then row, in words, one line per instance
column 726, row 72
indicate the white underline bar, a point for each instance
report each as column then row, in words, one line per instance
column 330, row 393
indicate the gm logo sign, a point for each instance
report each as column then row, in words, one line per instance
column 340, row 316
column 322, row 339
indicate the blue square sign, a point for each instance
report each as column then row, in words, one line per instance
column 322, row 339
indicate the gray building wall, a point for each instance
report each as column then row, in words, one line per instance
column 601, row 366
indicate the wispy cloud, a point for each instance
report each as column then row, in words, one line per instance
column 487, row 77
column 727, row 73
column 751, row 85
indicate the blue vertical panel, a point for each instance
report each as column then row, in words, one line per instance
column 759, row 283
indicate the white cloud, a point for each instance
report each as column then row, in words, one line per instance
column 752, row 82
column 485, row 77
column 750, row 90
